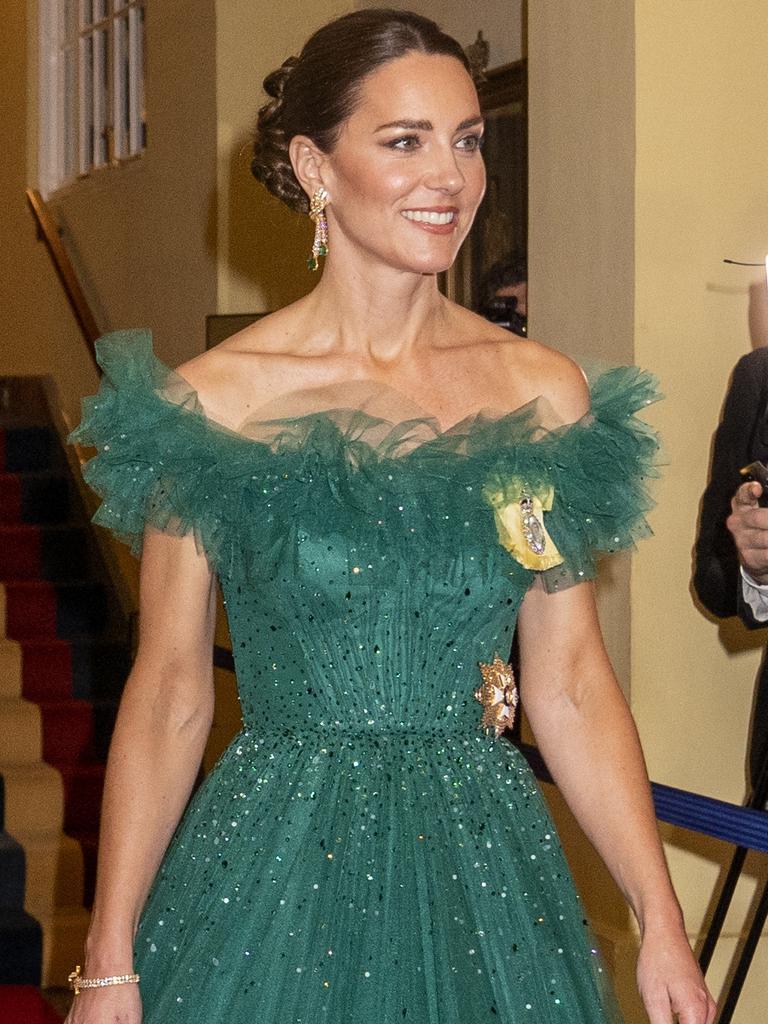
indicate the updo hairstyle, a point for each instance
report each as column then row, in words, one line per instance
column 314, row 94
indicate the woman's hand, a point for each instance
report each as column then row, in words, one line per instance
column 670, row 981
column 114, row 1004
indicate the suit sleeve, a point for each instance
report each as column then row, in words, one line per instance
column 716, row 578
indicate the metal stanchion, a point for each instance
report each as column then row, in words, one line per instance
column 757, row 801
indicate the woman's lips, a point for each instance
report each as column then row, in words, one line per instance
column 437, row 221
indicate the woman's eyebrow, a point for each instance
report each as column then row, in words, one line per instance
column 427, row 126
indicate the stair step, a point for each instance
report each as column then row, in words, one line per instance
column 46, row 669
column 30, row 610
column 11, row 498
column 10, row 669
column 34, row 798
column 21, row 730
column 54, row 872
column 27, row 448
column 12, row 872
column 89, row 845
column 21, row 948
column 61, row 669
column 83, row 792
column 34, row 497
column 36, row 609
column 68, row 731
column 64, row 934
column 24, row 1004
column 43, row 552
column 100, row 668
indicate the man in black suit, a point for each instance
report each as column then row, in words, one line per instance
column 731, row 571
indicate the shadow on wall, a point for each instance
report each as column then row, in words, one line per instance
column 267, row 244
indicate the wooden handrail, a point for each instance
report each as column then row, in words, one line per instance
column 49, row 233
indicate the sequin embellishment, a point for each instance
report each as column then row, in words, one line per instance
column 498, row 695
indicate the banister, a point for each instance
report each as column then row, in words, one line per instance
column 49, row 232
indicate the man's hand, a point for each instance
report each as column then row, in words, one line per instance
column 748, row 523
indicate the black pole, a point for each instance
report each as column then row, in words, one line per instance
column 745, row 960
column 757, row 801
column 723, row 903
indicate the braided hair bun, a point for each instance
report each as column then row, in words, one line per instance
column 314, row 94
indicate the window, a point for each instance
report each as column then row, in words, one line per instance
column 92, row 86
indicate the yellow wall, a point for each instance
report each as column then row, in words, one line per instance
column 648, row 156
column 37, row 331
column 581, row 212
column 262, row 245
column 142, row 236
column 702, row 156
column 499, row 20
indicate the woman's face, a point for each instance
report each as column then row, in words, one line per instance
column 406, row 175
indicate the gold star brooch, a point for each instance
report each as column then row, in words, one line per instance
column 498, row 695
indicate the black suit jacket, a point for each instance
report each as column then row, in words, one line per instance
column 741, row 437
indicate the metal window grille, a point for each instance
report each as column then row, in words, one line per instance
column 92, row 112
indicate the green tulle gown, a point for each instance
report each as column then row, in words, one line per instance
column 364, row 852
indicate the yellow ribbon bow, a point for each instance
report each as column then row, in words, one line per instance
column 520, row 522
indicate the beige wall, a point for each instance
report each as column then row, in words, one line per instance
column 37, row 331
column 648, row 153
column 500, row 22
column 262, row 245
column 581, row 211
column 702, row 157
column 142, row 236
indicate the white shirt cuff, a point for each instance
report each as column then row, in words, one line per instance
column 755, row 595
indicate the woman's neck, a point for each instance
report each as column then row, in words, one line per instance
column 379, row 315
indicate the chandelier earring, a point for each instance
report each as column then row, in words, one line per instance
column 317, row 214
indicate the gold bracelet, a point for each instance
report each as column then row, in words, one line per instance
column 76, row 981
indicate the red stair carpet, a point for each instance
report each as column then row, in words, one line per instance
column 64, row 657
column 52, row 605
column 23, row 1004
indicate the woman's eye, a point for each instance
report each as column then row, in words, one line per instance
column 404, row 142
column 471, row 142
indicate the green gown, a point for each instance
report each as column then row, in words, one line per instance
column 364, row 852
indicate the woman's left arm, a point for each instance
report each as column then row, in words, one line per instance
column 588, row 738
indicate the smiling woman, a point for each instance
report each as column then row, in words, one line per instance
column 384, row 484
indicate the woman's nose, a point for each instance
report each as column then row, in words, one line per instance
column 444, row 173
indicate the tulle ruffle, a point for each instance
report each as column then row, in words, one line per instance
column 407, row 488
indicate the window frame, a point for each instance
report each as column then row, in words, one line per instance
column 92, row 88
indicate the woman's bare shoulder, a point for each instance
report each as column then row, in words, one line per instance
column 241, row 372
column 540, row 371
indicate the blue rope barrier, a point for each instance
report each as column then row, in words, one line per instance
column 742, row 826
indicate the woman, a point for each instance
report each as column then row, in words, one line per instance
column 368, row 848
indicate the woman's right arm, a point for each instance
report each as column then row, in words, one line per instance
column 160, row 734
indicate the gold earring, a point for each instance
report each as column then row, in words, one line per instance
column 317, row 214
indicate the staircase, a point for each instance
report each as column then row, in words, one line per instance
column 63, row 660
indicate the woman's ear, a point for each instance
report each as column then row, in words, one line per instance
column 308, row 162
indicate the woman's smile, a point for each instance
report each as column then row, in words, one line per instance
column 439, row 220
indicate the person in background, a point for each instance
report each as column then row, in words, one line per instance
column 731, row 554
column 504, row 294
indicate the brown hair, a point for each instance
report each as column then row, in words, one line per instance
column 314, row 94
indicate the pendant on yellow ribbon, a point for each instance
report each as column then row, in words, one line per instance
column 519, row 515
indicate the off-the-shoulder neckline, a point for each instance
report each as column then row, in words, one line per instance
column 190, row 405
